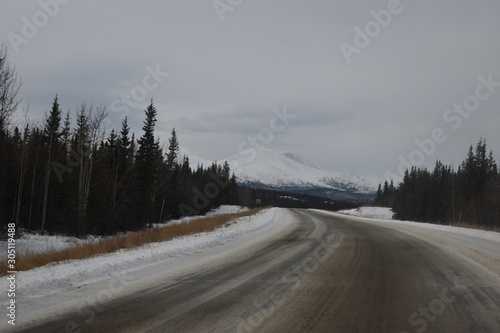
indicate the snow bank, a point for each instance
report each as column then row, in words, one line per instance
column 379, row 213
column 52, row 279
column 34, row 243
column 224, row 209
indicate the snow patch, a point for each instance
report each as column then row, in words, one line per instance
column 222, row 210
column 379, row 213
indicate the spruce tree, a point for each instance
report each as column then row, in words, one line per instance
column 147, row 145
column 380, row 195
column 51, row 138
column 146, row 159
column 173, row 150
column 124, row 147
column 66, row 133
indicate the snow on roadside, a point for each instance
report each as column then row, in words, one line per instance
column 34, row 243
column 52, row 279
column 378, row 214
column 224, row 209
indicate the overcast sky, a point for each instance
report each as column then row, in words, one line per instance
column 362, row 90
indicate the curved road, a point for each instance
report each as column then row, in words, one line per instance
column 326, row 273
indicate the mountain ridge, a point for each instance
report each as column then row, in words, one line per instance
column 293, row 172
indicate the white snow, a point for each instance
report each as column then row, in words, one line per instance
column 35, row 243
column 284, row 169
column 194, row 160
column 275, row 168
column 73, row 274
column 370, row 213
column 223, row 209
column 379, row 213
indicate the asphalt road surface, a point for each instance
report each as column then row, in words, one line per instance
column 325, row 273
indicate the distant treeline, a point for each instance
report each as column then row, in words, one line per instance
column 470, row 194
column 84, row 181
column 265, row 197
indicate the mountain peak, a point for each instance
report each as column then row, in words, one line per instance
column 300, row 159
column 293, row 172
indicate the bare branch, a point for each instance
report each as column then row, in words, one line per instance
column 10, row 84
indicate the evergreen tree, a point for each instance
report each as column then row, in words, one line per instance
column 492, row 165
column 52, row 135
column 468, row 195
column 88, row 137
column 379, row 196
column 125, row 145
column 146, row 159
column 147, row 145
column 173, row 150
column 21, row 159
column 106, row 183
column 66, row 134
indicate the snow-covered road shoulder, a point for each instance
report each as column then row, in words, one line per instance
column 384, row 215
column 67, row 286
column 479, row 247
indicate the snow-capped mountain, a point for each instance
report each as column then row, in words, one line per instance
column 194, row 160
column 293, row 172
column 290, row 172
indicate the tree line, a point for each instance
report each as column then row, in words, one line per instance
column 82, row 180
column 470, row 194
column 265, row 197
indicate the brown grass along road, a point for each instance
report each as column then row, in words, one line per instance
column 127, row 241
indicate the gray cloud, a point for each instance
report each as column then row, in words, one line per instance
column 226, row 77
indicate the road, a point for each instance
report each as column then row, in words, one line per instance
column 325, row 273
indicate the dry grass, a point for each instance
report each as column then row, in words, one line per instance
column 128, row 241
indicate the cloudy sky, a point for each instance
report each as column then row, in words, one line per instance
column 364, row 80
